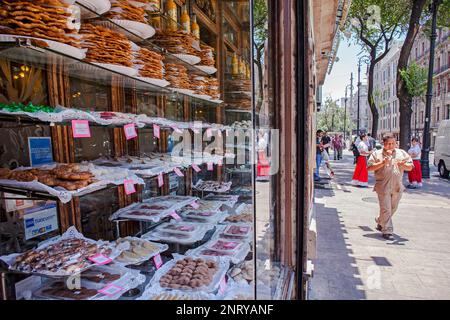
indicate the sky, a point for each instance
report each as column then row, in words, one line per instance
column 339, row 78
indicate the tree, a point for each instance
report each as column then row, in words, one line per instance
column 419, row 15
column 260, row 32
column 331, row 117
column 374, row 25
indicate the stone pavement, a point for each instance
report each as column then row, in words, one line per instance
column 355, row 262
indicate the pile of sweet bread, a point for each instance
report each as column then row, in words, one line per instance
column 212, row 89
column 198, row 84
column 150, row 63
column 67, row 176
column 176, row 42
column 46, row 19
column 177, row 75
column 123, row 9
column 207, row 55
column 106, row 46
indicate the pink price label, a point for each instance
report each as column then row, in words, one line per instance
column 175, row 216
column 178, row 172
column 227, row 133
column 100, row 259
column 244, row 229
column 80, row 129
column 130, row 131
column 209, row 132
column 210, row 166
column 129, row 187
column 196, row 168
column 111, row 290
column 195, row 130
column 156, row 131
column 157, row 260
column 220, row 162
column 160, row 180
column 195, row 205
column 223, row 285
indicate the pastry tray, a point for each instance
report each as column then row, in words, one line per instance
column 224, row 264
column 160, row 248
column 129, row 279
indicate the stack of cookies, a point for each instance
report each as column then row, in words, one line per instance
column 106, row 46
column 207, row 56
column 46, row 19
column 176, row 42
column 123, row 9
column 150, row 63
column 177, row 75
column 198, row 84
column 212, row 89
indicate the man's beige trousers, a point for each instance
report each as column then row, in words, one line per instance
column 388, row 206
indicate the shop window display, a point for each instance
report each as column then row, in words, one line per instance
column 199, row 226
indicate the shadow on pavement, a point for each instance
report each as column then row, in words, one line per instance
column 335, row 276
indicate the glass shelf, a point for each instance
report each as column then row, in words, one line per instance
column 145, row 43
column 21, row 51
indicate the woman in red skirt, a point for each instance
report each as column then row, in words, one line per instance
column 361, row 174
column 415, row 176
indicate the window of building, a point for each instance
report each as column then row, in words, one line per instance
column 416, row 53
column 448, row 112
column 423, row 47
column 421, row 117
column 437, row 114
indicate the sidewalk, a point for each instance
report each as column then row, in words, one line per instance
column 355, row 262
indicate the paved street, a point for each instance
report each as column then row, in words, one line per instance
column 355, row 262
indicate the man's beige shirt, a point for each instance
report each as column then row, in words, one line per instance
column 389, row 178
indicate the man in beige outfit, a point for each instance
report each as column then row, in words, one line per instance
column 389, row 165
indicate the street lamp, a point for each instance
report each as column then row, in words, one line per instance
column 367, row 61
column 351, row 99
column 426, row 129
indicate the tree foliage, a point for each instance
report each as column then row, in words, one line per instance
column 415, row 78
column 374, row 24
column 331, row 117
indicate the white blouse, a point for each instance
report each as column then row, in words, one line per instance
column 362, row 147
column 416, row 150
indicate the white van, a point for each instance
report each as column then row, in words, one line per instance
column 442, row 149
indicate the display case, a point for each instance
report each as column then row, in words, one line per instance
column 129, row 127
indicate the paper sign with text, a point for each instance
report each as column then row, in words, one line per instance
column 130, row 131
column 129, row 187
column 156, row 131
column 80, row 129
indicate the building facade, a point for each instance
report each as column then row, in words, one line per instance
column 440, row 106
column 385, row 96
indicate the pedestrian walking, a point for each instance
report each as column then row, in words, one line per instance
column 389, row 164
column 337, row 144
column 326, row 160
column 354, row 149
column 326, row 141
column 415, row 175
column 319, row 149
column 361, row 175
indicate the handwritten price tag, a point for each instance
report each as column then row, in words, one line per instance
column 160, row 180
column 175, row 216
column 210, row 166
column 178, row 172
column 223, row 285
column 129, row 187
column 157, row 260
column 130, row 131
column 100, row 259
column 196, row 168
column 111, row 290
column 156, row 131
column 80, row 129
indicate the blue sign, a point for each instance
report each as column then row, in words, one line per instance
column 40, row 150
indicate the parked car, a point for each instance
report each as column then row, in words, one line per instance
column 442, row 149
